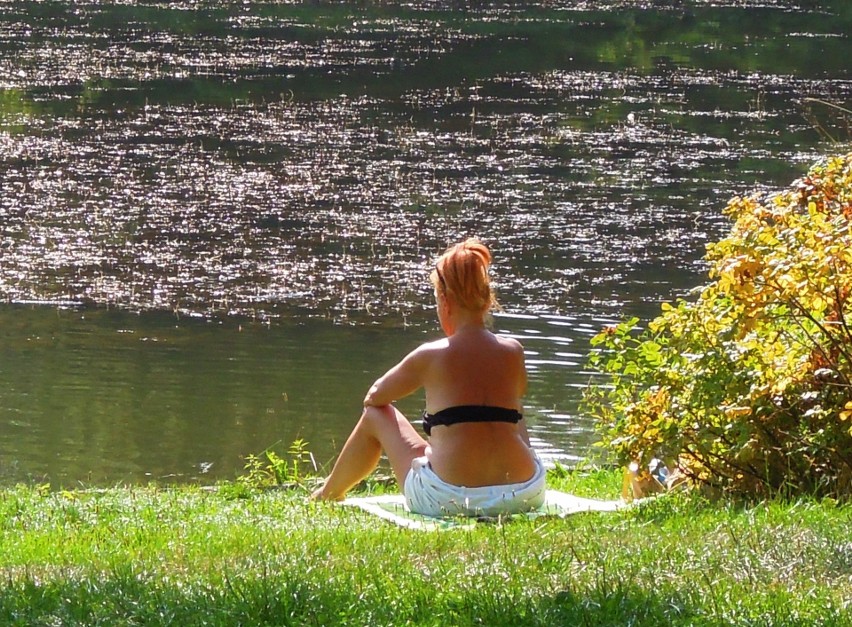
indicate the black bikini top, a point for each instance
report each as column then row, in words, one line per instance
column 469, row 413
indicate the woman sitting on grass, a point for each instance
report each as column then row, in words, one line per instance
column 478, row 460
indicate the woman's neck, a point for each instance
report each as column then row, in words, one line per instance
column 467, row 322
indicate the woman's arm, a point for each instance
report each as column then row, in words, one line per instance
column 403, row 379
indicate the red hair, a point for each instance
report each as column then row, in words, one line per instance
column 463, row 272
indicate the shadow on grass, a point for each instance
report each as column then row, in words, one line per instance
column 282, row 599
column 134, row 598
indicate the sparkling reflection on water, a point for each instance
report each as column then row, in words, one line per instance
column 293, row 168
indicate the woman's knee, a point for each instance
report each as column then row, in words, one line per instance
column 378, row 419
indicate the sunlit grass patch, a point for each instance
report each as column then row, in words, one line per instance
column 158, row 556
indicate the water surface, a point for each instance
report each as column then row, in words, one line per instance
column 99, row 397
column 217, row 218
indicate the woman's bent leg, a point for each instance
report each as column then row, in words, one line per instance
column 380, row 428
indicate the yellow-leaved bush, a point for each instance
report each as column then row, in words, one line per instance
column 746, row 385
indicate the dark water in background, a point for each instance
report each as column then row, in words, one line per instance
column 226, row 211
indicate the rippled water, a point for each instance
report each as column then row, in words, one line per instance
column 104, row 396
column 294, row 168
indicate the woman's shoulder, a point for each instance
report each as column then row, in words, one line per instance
column 509, row 343
column 447, row 345
column 433, row 346
column 430, row 349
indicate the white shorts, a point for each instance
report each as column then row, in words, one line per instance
column 426, row 493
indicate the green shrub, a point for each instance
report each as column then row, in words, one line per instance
column 747, row 384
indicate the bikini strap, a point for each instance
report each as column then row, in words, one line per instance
column 469, row 413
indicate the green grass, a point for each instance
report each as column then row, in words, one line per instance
column 187, row 556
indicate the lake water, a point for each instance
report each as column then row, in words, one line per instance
column 217, row 218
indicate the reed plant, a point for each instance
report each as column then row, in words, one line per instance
column 242, row 556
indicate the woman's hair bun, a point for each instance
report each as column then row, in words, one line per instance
column 462, row 271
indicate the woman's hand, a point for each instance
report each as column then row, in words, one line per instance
column 370, row 399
